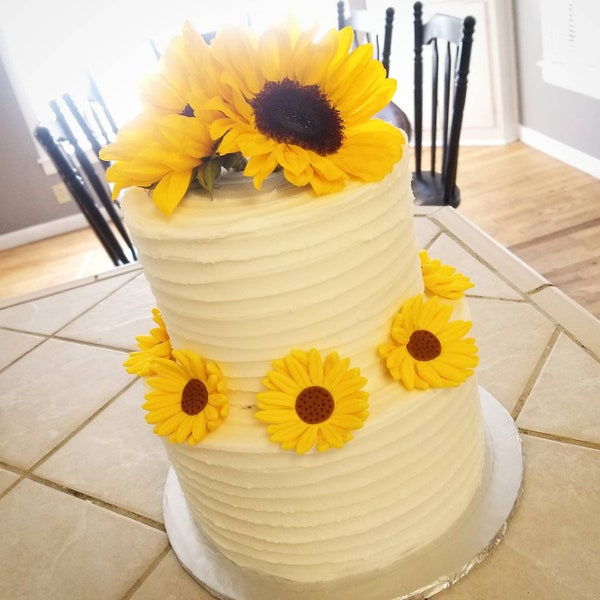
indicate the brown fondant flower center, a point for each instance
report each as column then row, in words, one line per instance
column 314, row 405
column 296, row 114
column 194, row 397
column 424, row 345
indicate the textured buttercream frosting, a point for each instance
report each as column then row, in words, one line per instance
column 249, row 276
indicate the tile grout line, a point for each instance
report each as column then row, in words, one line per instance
column 99, row 345
column 97, row 502
column 54, row 335
column 44, row 339
column 144, row 576
column 564, row 330
column 21, row 474
column 559, row 438
column 89, row 308
column 535, row 373
column 29, row 472
column 79, row 315
column 81, row 426
column 10, row 302
column 435, row 238
column 443, row 231
column 454, row 237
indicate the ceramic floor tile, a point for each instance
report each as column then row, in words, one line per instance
column 116, row 458
column 425, row 231
column 507, row 361
column 521, row 275
column 561, row 404
column 487, row 283
column 55, row 546
column 170, row 580
column 552, row 544
column 575, row 319
column 14, row 344
column 37, row 409
column 50, row 313
column 118, row 320
column 7, row 478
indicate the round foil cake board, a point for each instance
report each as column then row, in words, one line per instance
column 414, row 577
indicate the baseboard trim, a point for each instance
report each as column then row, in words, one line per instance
column 42, row 231
column 571, row 156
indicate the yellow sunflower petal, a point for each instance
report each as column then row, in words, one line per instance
column 331, row 435
column 315, row 367
column 171, row 424
column 184, row 430
column 297, row 372
column 199, row 428
column 275, row 399
column 307, row 439
column 346, row 421
column 276, row 415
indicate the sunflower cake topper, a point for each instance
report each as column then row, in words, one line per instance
column 312, row 402
column 278, row 101
column 427, row 348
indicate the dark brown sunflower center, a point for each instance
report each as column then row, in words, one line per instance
column 188, row 111
column 302, row 115
column 194, row 397
column 424, row 345
column 314, row 405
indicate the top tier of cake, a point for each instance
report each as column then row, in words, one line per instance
column 251, row 275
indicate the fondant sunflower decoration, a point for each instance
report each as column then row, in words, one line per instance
column 312, row 402
column 188, row 398
column 281, row 100
column 155, row 345
column 443, row 280
column 427, row 348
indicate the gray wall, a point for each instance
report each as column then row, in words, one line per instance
column 565, row 116
column 26, row 197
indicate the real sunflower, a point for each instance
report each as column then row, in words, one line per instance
column 153, row 346
column 427, row 348
column 306, row 106
column 443, row 280
column 188, row 398
column 312, row 402
column 159, row 152
column 187, row 77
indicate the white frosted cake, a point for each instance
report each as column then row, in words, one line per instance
column 309, row 373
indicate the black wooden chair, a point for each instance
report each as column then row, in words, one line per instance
column 102, row 115
column 453, row 37
column 55, row 144
column 98, row 184
column 370, row 28
column 81, row 111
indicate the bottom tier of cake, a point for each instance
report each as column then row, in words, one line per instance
column 402, row 482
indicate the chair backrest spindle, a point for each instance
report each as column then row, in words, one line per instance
column 370, row 28
column 452, row 38
column 434, row 101
column 76, row 185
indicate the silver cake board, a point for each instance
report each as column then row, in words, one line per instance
column 415, row 577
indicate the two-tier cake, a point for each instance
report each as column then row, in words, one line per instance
column 310, row 371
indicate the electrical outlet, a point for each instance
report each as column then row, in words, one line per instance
column 61, row 193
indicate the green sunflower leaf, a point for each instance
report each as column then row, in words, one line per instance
column 208, row 172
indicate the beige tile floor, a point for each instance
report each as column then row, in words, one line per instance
column 82, row 476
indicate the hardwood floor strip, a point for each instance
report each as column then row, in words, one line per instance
column 552, row 236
